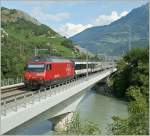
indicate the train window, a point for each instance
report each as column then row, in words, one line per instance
column 35, row 67
column 48, row 67
column 80, row 66
column 77, row 66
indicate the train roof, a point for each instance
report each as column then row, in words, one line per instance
column 60, row 59
column 84, row 62
column 48, row 59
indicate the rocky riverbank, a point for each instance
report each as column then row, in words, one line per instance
column 103, row 88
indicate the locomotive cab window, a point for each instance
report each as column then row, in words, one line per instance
column 48, row 67
column 35, row 67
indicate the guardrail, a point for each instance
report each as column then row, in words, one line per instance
column 11, row 81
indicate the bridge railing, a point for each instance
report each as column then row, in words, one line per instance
column 13, row 103
column 11, row 81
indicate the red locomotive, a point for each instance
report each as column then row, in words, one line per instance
column 46, row 71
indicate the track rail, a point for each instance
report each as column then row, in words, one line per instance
column 10, row 89
column 11, row 92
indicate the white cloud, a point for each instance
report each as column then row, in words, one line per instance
column 107, row 19
column 70, row 29
column 38, row 13
column 124, row 13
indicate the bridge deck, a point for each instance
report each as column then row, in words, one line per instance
column 22, row 110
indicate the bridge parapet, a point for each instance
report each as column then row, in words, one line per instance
column 13, row 104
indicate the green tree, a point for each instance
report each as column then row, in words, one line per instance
column 131, row 81
column 78, row 127
column 67, row 43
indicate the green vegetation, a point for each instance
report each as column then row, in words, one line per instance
column 67, row 43
column 21, row 34
column 132, row 82
column 78, row 127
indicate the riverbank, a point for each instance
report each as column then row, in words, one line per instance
column 103, row 88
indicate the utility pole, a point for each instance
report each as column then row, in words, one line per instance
column 87, row 64
column 129, row 37
column 123, row 53
column 20, row 49
column 105, row 56
column 35, row 51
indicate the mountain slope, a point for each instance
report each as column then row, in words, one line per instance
column 113, row 39
column 20, row 34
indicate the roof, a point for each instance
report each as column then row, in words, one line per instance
column 60, row 59
column 48, row 59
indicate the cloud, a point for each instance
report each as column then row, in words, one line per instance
column 39, row 14
column 107, row 19
column 124, row 13
column 70, row 29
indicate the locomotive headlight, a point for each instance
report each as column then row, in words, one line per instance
column 40, row 74
column 27, row 76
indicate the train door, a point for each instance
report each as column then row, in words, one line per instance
column 48, row 71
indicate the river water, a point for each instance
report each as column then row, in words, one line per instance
column 99, row 109
column 94, row 107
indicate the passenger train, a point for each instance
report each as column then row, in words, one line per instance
column 46, row 71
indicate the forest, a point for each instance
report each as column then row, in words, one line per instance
column 131, row 82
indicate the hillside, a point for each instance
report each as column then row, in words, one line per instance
column 113, row 39
column 20, row 34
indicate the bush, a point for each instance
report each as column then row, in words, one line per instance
column 67, row 43
column 131, row 81
column 78, row 127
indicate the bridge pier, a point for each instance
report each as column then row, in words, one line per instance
column 60, row 122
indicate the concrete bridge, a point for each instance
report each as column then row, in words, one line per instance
column 60, row 102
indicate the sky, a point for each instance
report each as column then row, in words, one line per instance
column 69, row 17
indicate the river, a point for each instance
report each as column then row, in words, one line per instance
column 99, row 109
column 94, row 107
